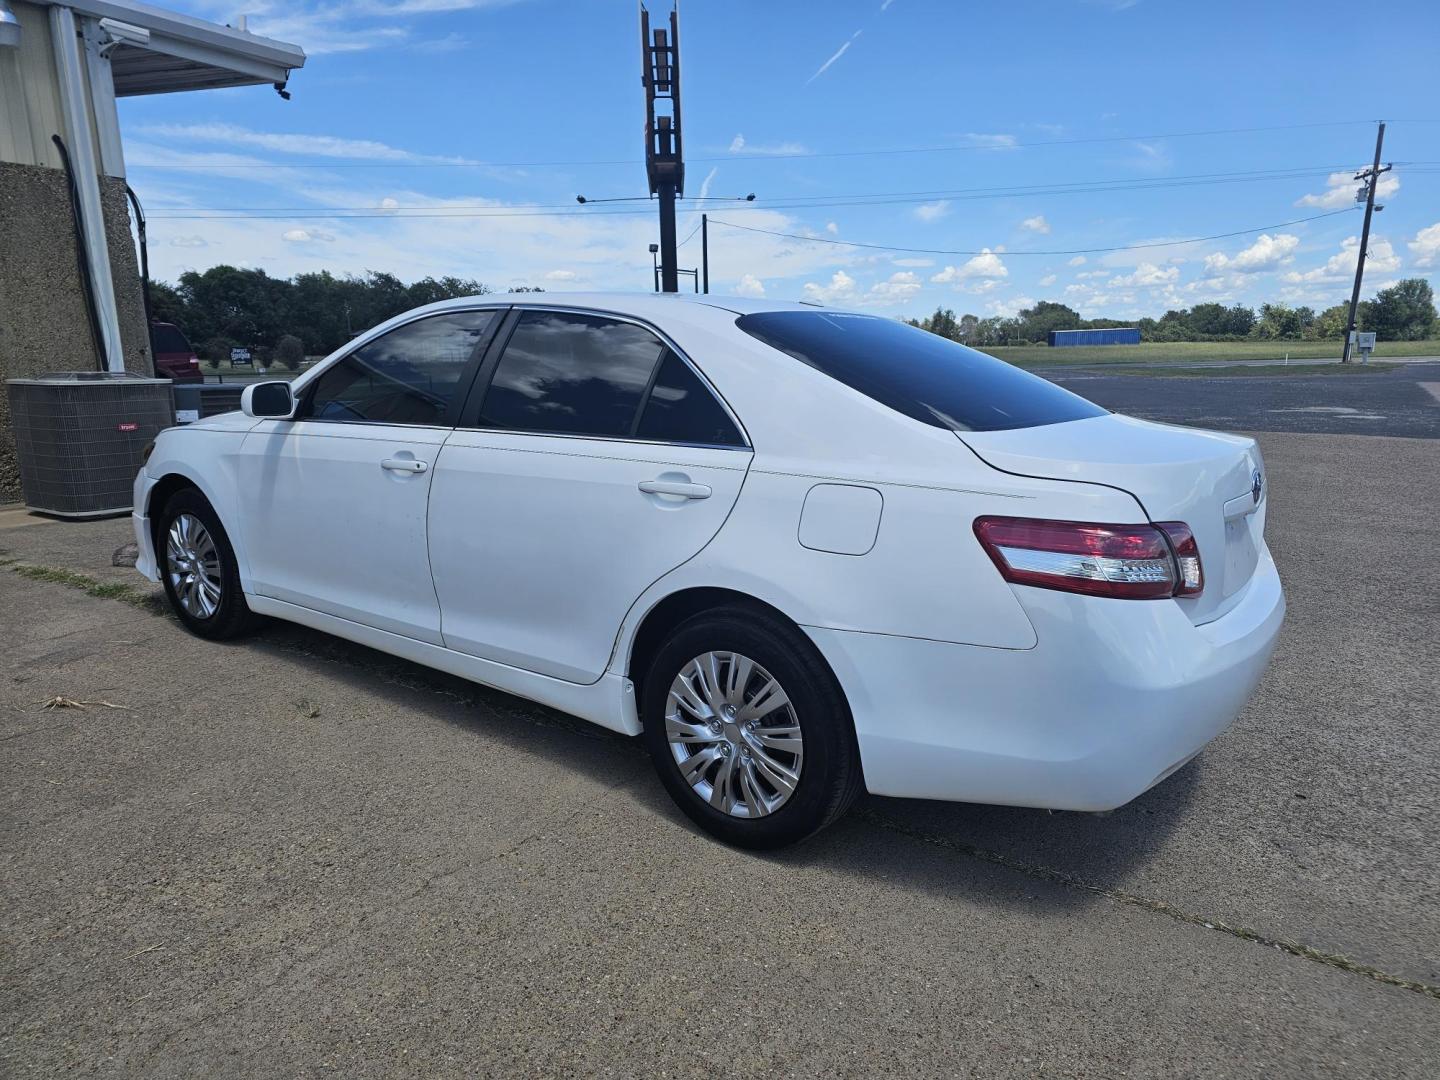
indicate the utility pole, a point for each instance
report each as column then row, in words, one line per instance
column 705, row 248
column 1371, row 176
column 664, row 158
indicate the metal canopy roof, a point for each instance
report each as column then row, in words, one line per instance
column 185, row 53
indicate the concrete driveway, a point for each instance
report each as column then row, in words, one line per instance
column 293, row 856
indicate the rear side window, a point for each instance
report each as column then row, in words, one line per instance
column 570, row 374
column 682, row 409
column 168, row 338
column 925, row 376
column 408, row 376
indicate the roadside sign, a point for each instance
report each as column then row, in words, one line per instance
column 240, row 356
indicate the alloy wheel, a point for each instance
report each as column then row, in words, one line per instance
column 734, row 734
column 193, row 565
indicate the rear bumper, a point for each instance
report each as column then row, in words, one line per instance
column 1116, row 695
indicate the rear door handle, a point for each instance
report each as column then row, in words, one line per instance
column 410, row 465
column 675, row 487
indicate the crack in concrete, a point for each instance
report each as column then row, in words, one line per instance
column 1160, row 907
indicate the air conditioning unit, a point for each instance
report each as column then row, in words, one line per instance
column 79, row 436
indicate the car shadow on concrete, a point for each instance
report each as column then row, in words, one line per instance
column 1055, row 862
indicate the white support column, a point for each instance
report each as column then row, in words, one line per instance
column 102, row 100
column 75, row 102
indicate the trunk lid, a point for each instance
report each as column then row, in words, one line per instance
column 1206, row 479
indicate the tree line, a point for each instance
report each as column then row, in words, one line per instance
column 280, row 319
column 1403, row 312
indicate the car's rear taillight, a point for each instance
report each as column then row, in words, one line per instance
column 195, row 360
column 1187, row 557
column 1131, row 562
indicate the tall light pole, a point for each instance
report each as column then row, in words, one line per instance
column 664, row 156
column 1371, row 176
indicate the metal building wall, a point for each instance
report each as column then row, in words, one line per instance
column 30, row 110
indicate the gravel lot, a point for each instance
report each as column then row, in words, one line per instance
column 293, row 856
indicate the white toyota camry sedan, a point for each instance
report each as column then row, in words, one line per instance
column 798, row 551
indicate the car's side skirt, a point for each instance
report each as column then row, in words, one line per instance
column 609, row 702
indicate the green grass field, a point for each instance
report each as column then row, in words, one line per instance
column 1244, row 370
column 1194, row 351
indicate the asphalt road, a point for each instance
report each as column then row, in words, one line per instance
column 293, row 856
column 1393, row 402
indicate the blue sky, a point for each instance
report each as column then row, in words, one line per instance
column 464, row 130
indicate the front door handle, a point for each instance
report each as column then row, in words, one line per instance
column 675, row 487
column 398, row 464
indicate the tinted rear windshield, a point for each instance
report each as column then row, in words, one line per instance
column 915, row 372
column 168, row 338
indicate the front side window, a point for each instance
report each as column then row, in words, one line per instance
column 408, row 376
column 925, row 376
column 570, row 374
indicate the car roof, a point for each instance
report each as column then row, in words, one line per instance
column 658, row 307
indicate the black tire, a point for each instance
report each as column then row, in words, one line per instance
column 830, row 776
column 231, row 616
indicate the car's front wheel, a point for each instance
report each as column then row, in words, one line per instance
column 198, row 568
column 749, row 729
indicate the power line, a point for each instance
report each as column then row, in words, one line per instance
column 687, row 239
column 1008, row 254
column 788, row 156
column 816, row 202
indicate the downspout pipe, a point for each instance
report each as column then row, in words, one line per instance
column 144, row 274
column 79, row 138
column 82, row 265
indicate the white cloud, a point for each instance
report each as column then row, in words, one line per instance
column 451, row 42
column 1380, row 259
column 560, row 275
column 900, row 286
column 832, row 228
column 1078, row 260
column 750, row 285
column 913, row 262
column 1036, row 224
column 338, row 28
column 1010, row 307
column 190, row 241
column 985, row 265
column 991, row 141
column 738, row 145
column 330, row 146
column 1086, row 274
column 709, row 179
column 1146, row 275
column 1266, row 253
column 1340, row 188
column 1426, row 246
column 1151, row 157
column 306, row 236
column 1047, row 280
column 836, row 56
column 933, row 211
column 841, row 287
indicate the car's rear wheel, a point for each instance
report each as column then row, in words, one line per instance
column 198, row 569
column 749, row 730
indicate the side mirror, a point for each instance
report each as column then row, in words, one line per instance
column 268, row 400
